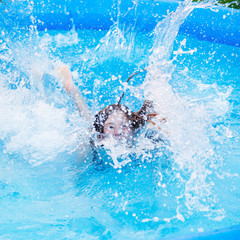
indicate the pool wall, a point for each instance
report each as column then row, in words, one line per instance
column 231, row 233
column 219, row 24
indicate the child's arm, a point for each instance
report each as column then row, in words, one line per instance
column 72, row 89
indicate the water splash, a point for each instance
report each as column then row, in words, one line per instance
column 189, row 123
column 34, row 122
column 33, row 127
column 114, row 43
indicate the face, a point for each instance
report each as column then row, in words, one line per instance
column 117, row 125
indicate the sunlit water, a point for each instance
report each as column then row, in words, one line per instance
column 188, row 183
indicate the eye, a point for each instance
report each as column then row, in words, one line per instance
column 110, row 127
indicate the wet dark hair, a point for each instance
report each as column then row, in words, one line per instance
column 136, row 119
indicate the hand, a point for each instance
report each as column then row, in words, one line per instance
column 66, row 76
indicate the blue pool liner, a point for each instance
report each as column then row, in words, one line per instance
column 231, row 233
column 218, row 24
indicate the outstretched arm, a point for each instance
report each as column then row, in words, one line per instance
column 72, row 89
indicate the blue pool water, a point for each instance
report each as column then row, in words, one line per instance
column 181, row 188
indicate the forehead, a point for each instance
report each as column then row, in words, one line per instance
column 117, row 115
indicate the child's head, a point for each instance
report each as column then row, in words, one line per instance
column 119, row 121
column 118, row 125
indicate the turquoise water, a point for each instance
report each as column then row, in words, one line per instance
column 188, row 184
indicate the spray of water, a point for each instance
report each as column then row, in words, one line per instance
column 34, row 117
column 189, row 123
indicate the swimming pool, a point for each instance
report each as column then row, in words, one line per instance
column 182, row 189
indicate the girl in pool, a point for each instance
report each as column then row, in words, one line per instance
column 116, row 120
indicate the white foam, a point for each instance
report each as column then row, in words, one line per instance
column 32, row 127
column 189, row 121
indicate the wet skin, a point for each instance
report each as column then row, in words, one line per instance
column 117, row 125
